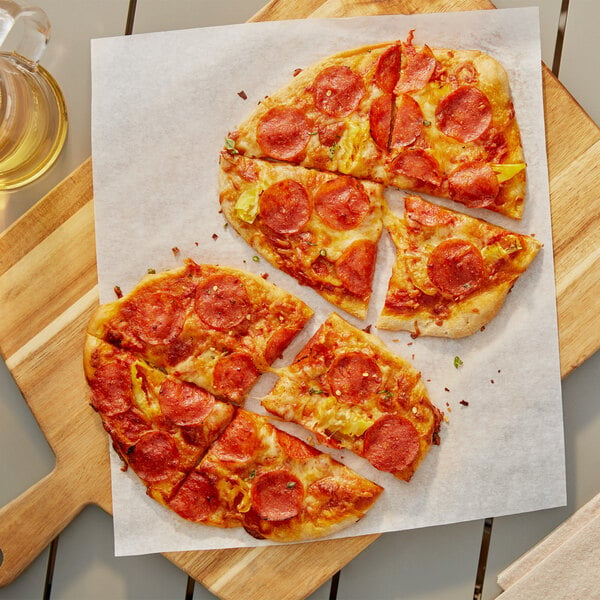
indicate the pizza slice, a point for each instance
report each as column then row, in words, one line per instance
column 321, row 228
column 433, row 120
column 159, row 426
column 352, row 392
column 452, row 271
column 454, row 132
column 214, row 326
column 273, row 484
column 327, row 117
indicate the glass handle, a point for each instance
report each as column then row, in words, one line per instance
column 32, row 34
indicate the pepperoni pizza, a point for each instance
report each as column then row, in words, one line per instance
column 319, row 227
column 150, row 359
column 438, row 121
column 273, row 484
column 214, row 326
column 302, row 180
column 353, row 393
column 452, row 271
column 159, row 426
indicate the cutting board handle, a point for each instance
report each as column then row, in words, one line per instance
column 32, row 520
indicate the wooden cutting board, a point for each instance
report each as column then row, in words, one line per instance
column 48, row 290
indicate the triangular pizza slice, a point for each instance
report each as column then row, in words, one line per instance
column 211, row 325
column 454, row 131
column 273, row 484
column 160, row 427
column 322, row 117
column 352, row 392
column 321, row 228
column 452, row 271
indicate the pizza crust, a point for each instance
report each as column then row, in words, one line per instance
column 466, row 318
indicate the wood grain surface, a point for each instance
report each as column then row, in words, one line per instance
column 48, row 289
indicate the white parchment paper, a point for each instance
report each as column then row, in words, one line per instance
column 163, row 104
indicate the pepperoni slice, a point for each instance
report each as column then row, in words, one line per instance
column 426, row 213
column 294, row 447
column 278, row 342
column 474, row 185
column 417, row 69
column 456, row 268
column 155, row 456
column 179, row 349
column 222, row 301
column 197, row 498
column 417, row 164
column 283, row 132
column 391, row 443
column 356, row 266
column 155, row 317
column 239, row 440
column 234, row 374
column 342, row 203
column 126, row 427
column 464, row 114
column 112, row 392
column 337, row 91
column 285, row 206
column 408, row 122
column 354, row 377
column 495, row 144
column 277, row 495
column 388, row 69
column 183, row 403
column 380, row 120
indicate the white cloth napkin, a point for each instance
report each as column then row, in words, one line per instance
column 564, row 565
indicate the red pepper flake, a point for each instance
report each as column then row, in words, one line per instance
column 118, row 291
column 215, row 237
column 464, row 403
column 410, row 343
column 175, row 251
column 446, row 389
column 196, row 244
column 491, row 381
column 264, row 275
column 297, row 72
column 243, row 95
column 367, row 329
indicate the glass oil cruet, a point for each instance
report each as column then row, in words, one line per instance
column 33, row 115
